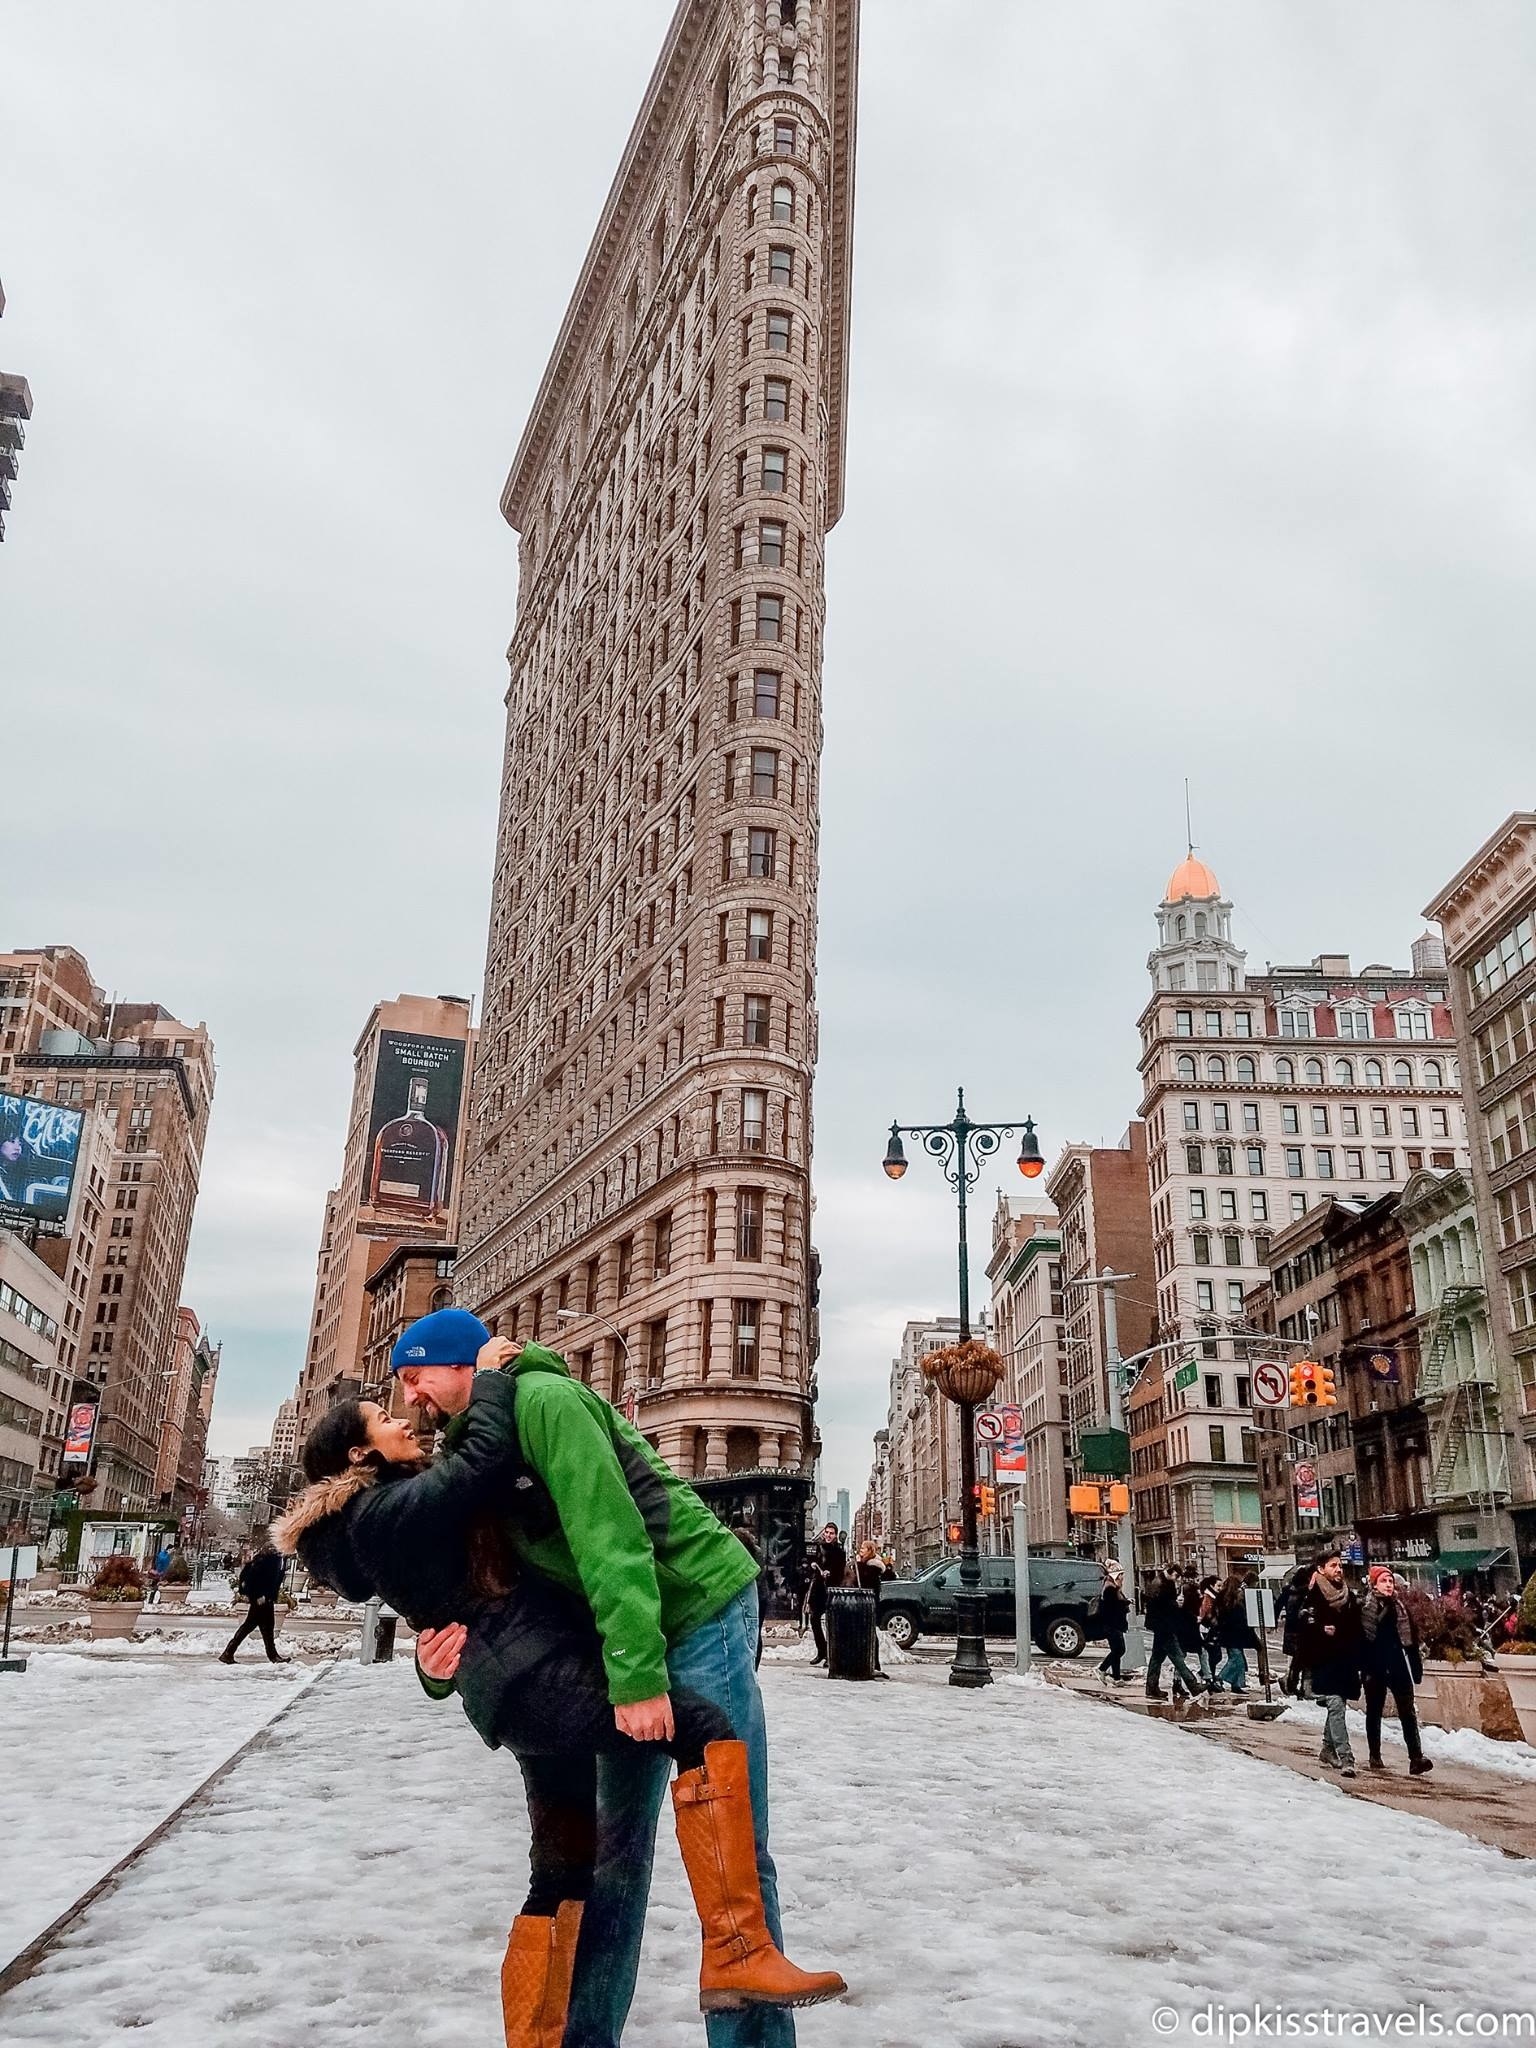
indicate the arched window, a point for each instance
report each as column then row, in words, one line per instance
column 1285, row 1072
column 1216, row 1069
column 1402, row 1074
column 1434, row 1074
column 1199, row 924
column 784, row 201
column 1344, row 1073
column 1186, row 1067
column 1246, row 1071
column 1373, row 1073
column 1314, row 1071
column 1183, row 927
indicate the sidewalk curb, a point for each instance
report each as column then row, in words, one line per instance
column 23, row 1964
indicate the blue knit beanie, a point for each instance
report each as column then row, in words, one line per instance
column 449, row 1336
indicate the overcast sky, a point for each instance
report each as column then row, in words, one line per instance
column 1192, row 434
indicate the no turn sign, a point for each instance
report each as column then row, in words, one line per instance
column 1271, row 1389
column 989, row 1426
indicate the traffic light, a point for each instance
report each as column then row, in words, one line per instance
column 1119, row 1499
column 988, row 1498
column 1085, row 1500
column 1327, row 1392
column 1304, row 1384
column 954, row 1532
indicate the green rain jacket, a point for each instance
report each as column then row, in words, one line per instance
column 634, row 1540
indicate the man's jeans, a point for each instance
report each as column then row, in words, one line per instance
column 1167, row 1647
column 717, row 1660
column 1336, row 1749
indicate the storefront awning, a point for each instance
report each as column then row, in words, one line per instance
column 1470, row 1560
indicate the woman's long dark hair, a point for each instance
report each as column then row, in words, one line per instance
column 340, row 1431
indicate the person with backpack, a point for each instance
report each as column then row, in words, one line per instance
column 596, row 1511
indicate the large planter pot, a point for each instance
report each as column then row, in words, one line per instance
column 322, row 1596
column 1467, row 1696
column 114, row 1618
column 1519, row 1674
column 172, row 1596
column 46, row 1582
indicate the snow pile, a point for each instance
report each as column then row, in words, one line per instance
column 96, row 1753
column 1450, row 1745
column 989, row 1869
column 72, row 1628
column 201, row 1642
column 56, row 1597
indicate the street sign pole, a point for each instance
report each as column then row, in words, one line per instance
column 1021, row 1620
column 7, row 1661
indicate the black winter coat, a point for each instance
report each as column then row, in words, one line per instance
column 262, row 1578
column 407, row 1536
column 1114, row 1609
column 1330, row 1643
column 829, row 1567
column 1232, row 1627
column 1189, row 1619
column 1162, row 1609
column 1385, row 1655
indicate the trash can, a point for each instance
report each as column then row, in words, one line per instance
column 850, row 1633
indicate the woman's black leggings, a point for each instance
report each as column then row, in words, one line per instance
column 557, row 1723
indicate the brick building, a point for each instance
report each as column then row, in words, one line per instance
column 413, row 1280
column 1028, row 1308
column 400, row 1179
column 642, row 1111
column 144, row 1083
column 1100, row 1194
column 1265, row 1096
column 1488, row 916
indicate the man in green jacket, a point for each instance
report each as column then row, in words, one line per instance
column 674, row 1597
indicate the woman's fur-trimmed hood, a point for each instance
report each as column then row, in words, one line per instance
column 325, row 1497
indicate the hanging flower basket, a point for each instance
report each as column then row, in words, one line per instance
column 967, row 1373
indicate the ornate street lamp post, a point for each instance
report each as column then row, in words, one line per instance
column 967, row 1372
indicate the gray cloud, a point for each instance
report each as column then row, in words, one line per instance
column 1192, row 434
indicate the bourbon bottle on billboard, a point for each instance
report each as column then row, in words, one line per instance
column 410, row 1159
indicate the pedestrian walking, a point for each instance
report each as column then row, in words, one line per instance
column 828, row 1568
column 259, row 1583
column 1392, row 1665
column 1160, row 1604
column 1234, row 1636
column 870, row 1572
column 157, row 1572
column 1191, row 1625
column 1288, row 1606
column 1114, row 1613
column 1329, row 1642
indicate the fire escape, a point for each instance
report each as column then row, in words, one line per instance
column 1469, row 1453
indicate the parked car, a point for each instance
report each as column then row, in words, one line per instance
column 1063, row 1602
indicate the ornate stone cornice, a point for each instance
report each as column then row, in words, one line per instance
column 1502, row 869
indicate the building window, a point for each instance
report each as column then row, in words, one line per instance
column 1250, row 1116
column 662, row 1262
column 1439, row 1123
column 761, row 847
column 1234, row 1297
column 775, row 469
column 1192, row 1159
column 626, row 1266
column 776, row 398
column 1298, row 1207
column 754, row 1119
column 1205, row 1294
column 1224, row 1159
column 1258, row 1205
column 783, row 138
column 1378, row 1123
column 1216, row 1070
column 1285, row 1072
column 1200, row 1247
column 1242, row 1024
column 1213, row 1390
column 1295, row 1023
column 1219, row 1457
column 1349, row 1121
column 1290, row 1119
column 1232, row 1248
column 749, row 1223
column 783, row 202
column 1412, row 1021
column 1325, row 1162
column 1221, row 1116
column 1410, row 1123
column 1186, row 1067
column 1434, row 1074
column 1183, row 1023
column 1319, row 1121
column 1293, row 1164
column 770, row 544
column 1354, row 1164
column 1373, row 1073
column 757, row 1017
column 747, row 1317
column 1191, row 1116
column 759, row 934
column 1197, row 1204
column 1247, row 1073
column 1354, row 1022
column 770, row 616
column 781, row 266
column 1255, row 1161
column 765, row 693
column 1384, row 1166
column 780, row 333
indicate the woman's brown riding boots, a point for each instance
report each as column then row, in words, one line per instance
column 536, row 1977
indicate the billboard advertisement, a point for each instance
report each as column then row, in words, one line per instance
column 39, row 1151
column 80, row 1431
column 408, row 1157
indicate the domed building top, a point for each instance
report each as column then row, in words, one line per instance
column 1191, row 878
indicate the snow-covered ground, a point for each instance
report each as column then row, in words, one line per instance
column 1441, row 1745
column 990, row 1870
column 95, row 1752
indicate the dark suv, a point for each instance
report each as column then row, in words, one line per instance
column 1063, row 1602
